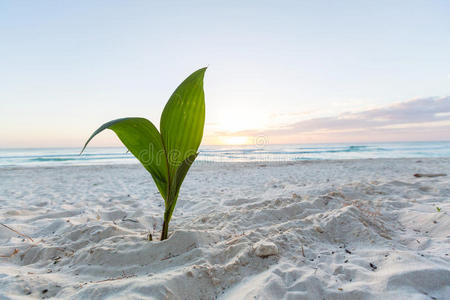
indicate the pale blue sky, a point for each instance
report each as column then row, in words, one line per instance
column 66, row 67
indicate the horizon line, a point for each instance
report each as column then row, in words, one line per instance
column 237, row 145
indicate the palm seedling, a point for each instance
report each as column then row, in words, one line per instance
column 167, row 155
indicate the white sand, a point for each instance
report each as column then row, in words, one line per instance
column 329, row 221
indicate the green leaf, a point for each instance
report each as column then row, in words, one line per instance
column 183, row 169
column 180, row 174
column 178, row 180
column 143, row 140
column 183, row 119
column 182, row 123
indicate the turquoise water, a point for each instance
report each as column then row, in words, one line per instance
column 276, row 153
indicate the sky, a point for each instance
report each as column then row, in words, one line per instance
column 278, row 71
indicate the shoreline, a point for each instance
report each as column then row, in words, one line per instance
column 202, row 163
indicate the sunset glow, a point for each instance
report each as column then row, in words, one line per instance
column 235, row 140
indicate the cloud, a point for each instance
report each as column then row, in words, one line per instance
column 425, row 118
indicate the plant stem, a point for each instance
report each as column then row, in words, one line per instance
column 167, row 216
column 165, row 230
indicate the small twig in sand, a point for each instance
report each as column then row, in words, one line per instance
column 17, row 250
column 303, row 252
column 19, row 233
column 117, row 278
column 124, row 219
column 429, row 175
column 11, row 255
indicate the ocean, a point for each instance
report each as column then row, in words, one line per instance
column 31, row 157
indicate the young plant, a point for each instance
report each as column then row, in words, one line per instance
column 168, row 155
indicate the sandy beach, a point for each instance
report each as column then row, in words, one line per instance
column 345, row 229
